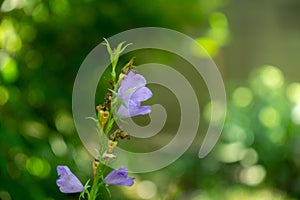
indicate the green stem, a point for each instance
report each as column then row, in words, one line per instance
column 109, row 125
column 98, row 179
column 98, row 183
column 113, row 76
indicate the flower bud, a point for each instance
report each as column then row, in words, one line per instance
column 104, row 115
column 109, row 155
column 111, row 145
column 95, row 167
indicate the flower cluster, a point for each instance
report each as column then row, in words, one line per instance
column 133, row 91
column 69, row 183
column 123, row 100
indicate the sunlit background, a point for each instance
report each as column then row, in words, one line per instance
column 255, row 45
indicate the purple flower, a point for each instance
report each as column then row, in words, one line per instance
column 119, row 177
column 132, row 92
column 67, row 181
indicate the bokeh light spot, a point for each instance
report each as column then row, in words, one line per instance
column 29, row 7
column 9, row 70
column 81, row 157
column 293, row 92
column 13, row 171
column 4, row 95
column 9, row 5
column 272, row 77
column 64, row 122
column 277, row 135
column 58, row 145
column 20, row 160
column 9, row 39
column 267, row 81
column 209, row 45
column 250, row 157
column 13, row 43
column 295, row 115
column 219, row 31
column 253, row 175
column 38, row 167
column 146, row 189
column 234, row 133
column 4, row 195
column 201, row 195
column 242, row 96
column 218, row 20
column 229, row 153
column 59, row 7
column 34, row 129
column 269, row 117
column 218, row 110
column 40, row 13
column 6, row 29
column 27, row 32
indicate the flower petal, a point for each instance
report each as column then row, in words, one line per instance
column 133, row 110
column 67, row 181
column 141, row 94
column 132, row 92
column 119, row 177
column 130, row 84
column 123, row 112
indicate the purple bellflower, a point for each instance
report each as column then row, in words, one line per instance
column 119, row 177
column 67, row 181
column 132, row 92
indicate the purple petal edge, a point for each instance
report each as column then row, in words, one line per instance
column 67, row 181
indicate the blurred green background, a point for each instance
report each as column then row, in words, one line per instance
column 255, row 45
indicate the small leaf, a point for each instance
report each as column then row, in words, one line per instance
column 106, row 43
